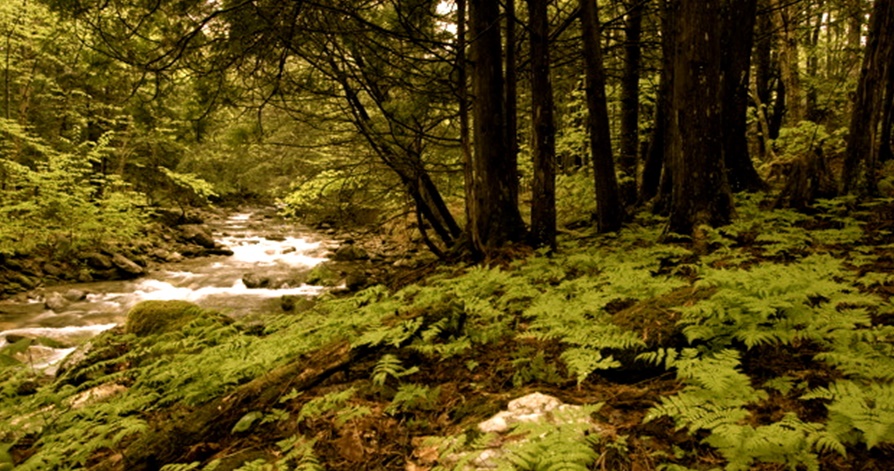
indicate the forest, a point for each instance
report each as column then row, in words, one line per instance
column 621, row 234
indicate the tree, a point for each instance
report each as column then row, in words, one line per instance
column 496, row 220
column 738, row 19
column 543, row 199
column 629, row 147
column 609, row 210
column 656, row 172
column 701, row 194
column 872, row 105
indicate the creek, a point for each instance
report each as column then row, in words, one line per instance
column 260, row 246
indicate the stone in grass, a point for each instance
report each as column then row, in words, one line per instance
column 156, row 317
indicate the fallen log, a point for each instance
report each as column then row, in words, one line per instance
column 171, row 439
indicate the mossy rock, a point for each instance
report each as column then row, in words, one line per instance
column 156, row 317
column 324, row 275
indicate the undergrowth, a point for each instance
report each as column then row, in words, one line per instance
column 782, row 359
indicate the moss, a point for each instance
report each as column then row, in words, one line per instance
column 323, row 275
column 155, row 317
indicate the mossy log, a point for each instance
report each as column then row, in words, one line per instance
column 173, row 437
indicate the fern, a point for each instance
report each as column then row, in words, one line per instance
column 563, row 444
column 775, row 304
column 411, row 397
column 320, row 406
column 582, row 362
column 389, row 366
column 715, row 395
column 859, row 413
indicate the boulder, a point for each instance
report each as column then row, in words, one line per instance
column 296, row 304
column 155, row 317
column 24, row 280
column 98, row 261
column 196, row 234
column 126, row 265
column 54, row 269
column 349, row 253
column 356, row 281
column 74, row 295
column 56, row 302
column 163, row 255
column 220, row 250
column 255, row 281
column 324, row 275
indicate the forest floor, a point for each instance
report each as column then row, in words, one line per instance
column 768, row 345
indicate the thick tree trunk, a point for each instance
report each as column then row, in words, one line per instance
column 543, row 201
column 865, row 142
column 610, row 213
column 737, row 36
column 496, row 219
column 701, row 193
column 630, row 98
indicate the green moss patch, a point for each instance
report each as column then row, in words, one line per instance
column 156, row 317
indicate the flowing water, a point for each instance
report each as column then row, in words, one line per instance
column 211, row 282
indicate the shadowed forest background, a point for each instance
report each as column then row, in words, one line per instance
column 675, row 214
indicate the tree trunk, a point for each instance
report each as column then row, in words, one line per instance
column 462, row 97
column 496, row 219
column 630, row 98
column 610, row 213
column 788, row 61
column 543, row 201
column 655, row 169
column 701, row 193
column 737, row 36
column 511, row 97
column 886, row 152
column 812, row 111
column 865, row 142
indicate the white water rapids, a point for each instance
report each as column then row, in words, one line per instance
column 212, row 282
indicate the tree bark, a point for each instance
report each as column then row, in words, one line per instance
column 462, row 97
column 865, row 142
column 788, row 61
column 543, row 202
column 609, row 212
column 496, row 220
column 656, row 169
column 511, row 97
column 630, row 98
column 701, row 194
column 737, row 36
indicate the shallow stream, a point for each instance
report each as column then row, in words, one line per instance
column 259, row 246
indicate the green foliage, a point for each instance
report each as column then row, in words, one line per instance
column 331, row 195
column 564, row 443
column 187, row 189
column 63, row 205
column 389, row 366
column 575, row 198
column 413, row 397
column 715, row 399
column 775, row 304
column 859, row 413
column 808, row 136
column 323, row 405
